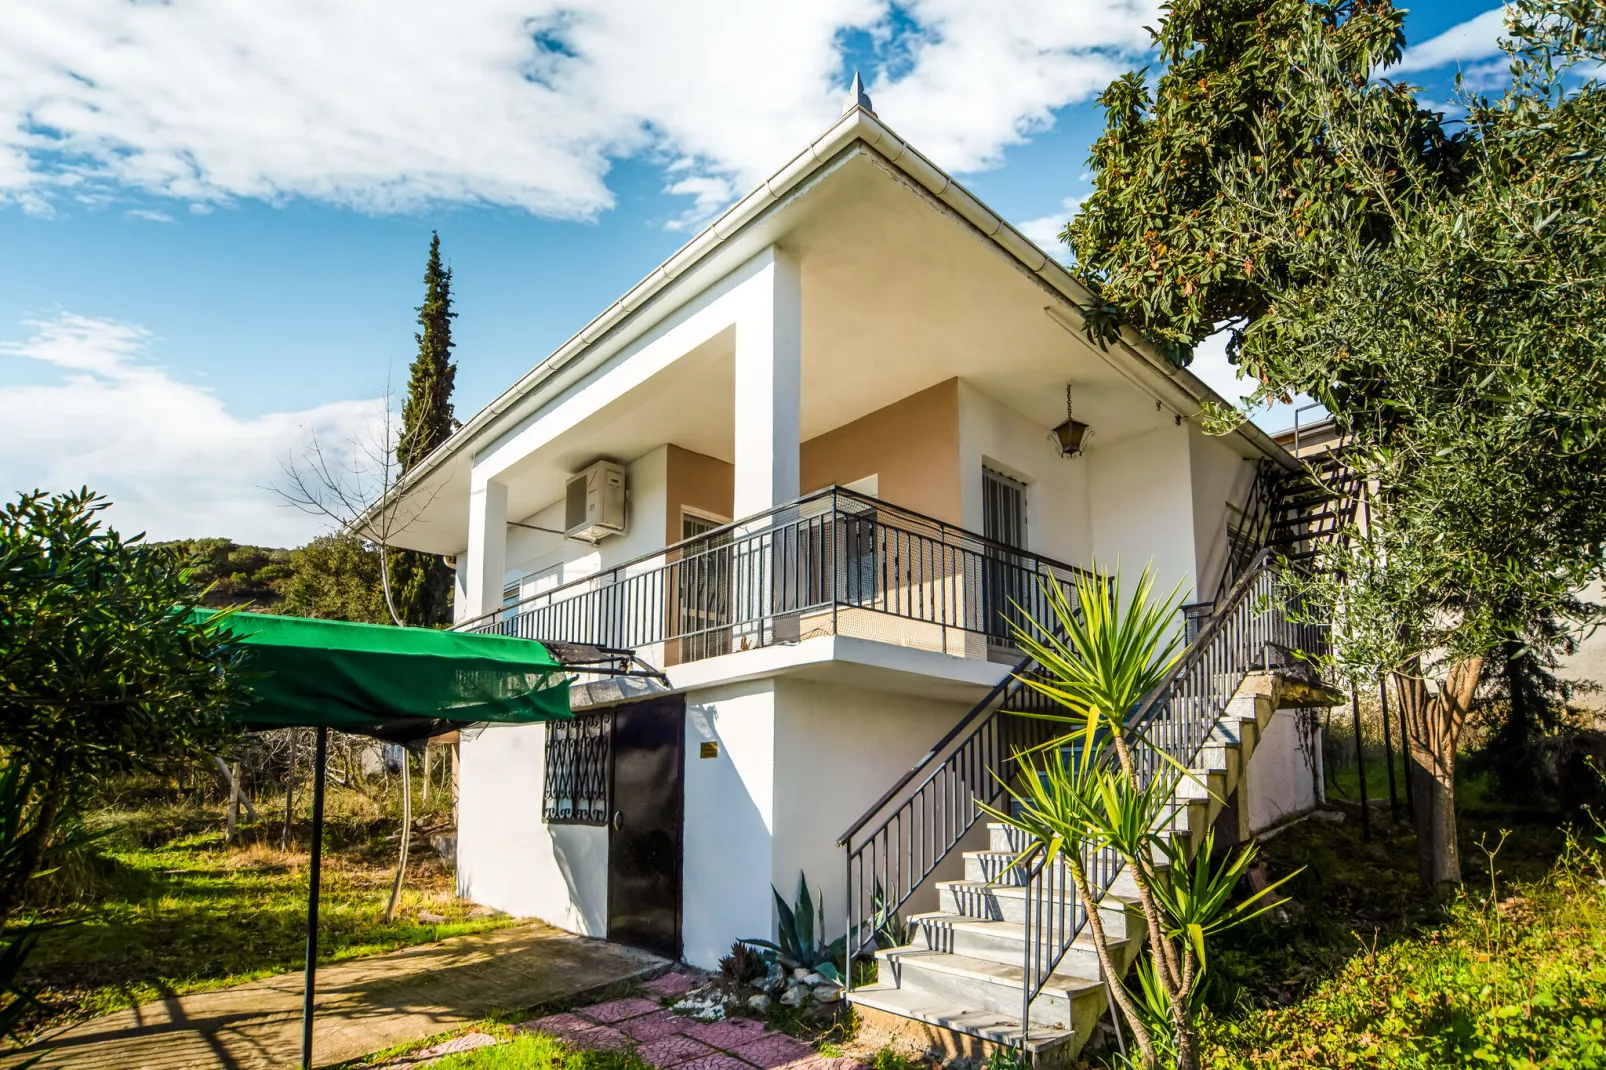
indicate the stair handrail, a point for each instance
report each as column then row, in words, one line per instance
column 1218, row 650
column 939, row 795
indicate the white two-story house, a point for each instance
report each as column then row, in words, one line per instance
column 831, row 449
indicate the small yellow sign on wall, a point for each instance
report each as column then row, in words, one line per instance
column 709, row 749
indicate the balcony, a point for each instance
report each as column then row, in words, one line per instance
column 832, row 563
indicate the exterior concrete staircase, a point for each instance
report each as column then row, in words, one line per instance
column 959, row 984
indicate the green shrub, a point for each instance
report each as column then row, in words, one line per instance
column 1516, row 979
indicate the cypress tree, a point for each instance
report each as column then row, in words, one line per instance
column 422, row 583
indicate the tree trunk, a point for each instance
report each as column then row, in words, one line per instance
column 1184, row 1032
column 1124, row 1007
column 1433, row 732
column 406, row 838
column 456, row 762
column 230, row 780
column 234, row 802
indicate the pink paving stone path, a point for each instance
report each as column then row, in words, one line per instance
column 671, row 1042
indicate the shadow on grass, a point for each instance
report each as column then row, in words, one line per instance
column 182, row 912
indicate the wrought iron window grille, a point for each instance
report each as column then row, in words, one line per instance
column 577, row 751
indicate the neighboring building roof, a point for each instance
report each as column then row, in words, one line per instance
column 1301, row 438
column 857, row 124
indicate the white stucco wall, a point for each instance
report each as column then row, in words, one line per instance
column 798, row 762
column 1586, row 668
column 646, row 498
column 1284, row 774
column 1219, row 476
column 729, row 818
column 760, row 301
column 1140, row 490
column 994, row 435
column 837, row 749
column 507, row 857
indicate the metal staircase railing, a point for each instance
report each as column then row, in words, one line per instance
column 1250, row 629
column 899, row 841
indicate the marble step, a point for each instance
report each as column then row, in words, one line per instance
column 999, row 1027
column 1002, row 902
column 1004, row 941
column 983, row 984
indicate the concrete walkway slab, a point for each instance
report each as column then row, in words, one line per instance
column 364, row 1005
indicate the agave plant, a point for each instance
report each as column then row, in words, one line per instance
column 800, row 936
column 890, row 928
column 743, row 965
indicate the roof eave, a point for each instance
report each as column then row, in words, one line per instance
column 856, row 124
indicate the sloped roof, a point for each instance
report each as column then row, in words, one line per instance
column 857, row 124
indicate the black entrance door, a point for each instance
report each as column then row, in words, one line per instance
column 646, row 833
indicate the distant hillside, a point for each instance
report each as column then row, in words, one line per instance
column 253, row 576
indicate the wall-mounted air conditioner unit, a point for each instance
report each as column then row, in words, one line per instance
column 594, row 504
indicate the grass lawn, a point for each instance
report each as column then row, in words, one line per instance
column 170, row 908
column 1365, row 971
column 538, row 1053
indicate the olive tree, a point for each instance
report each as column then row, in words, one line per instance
column 1442, row 296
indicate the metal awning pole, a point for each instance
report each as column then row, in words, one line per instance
column 319, row 764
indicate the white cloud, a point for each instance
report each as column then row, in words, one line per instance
column 988, row 76
column 1211, row 365
column 1477, row 38
column 1045, row 230
column 386, row 105
column 172, row 458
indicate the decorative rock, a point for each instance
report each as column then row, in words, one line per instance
column 800, row 974
column 820, row 1013
column 759, row 1004
column 795, row 997
column 829, row 992
column 774, row 976
column 813, row 979
column 427, row 918
column 709, row 1009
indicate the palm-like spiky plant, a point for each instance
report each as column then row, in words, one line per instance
column 1097, row 665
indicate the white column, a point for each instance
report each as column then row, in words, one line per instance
column 487, row 547
column 769, row 366
column 460, row 611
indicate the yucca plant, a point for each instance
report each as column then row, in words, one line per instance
column 1084, row 792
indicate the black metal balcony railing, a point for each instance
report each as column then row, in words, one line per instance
column 832, row 563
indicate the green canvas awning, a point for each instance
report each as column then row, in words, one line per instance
column 393, row 683
column 401, row 684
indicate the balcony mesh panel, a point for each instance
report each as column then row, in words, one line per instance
column 577, row 770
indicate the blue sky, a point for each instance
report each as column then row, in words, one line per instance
column 214, row 228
